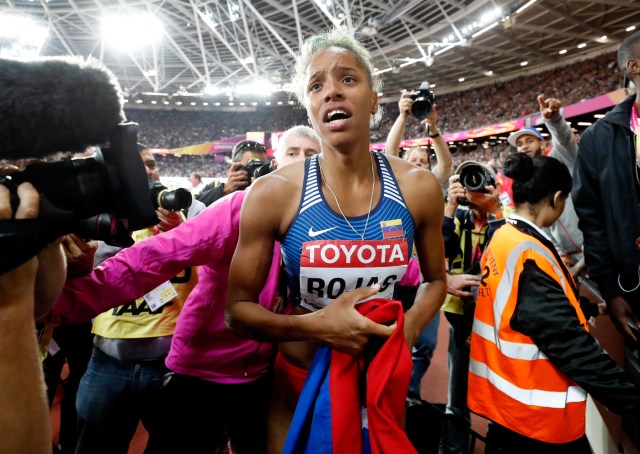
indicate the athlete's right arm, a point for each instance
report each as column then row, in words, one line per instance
column 266, row 214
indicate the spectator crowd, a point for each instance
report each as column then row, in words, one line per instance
column 458, row 111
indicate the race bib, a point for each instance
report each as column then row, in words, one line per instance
column 328, row 268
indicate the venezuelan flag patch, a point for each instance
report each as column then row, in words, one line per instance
column 392, row 229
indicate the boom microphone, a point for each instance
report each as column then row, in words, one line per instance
column 53, row 104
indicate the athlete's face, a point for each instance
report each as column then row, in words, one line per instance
column 338, row 97
column 529, row 144
column 297, row 148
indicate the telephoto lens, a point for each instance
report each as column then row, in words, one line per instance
column 173, row 200
column 474, row 178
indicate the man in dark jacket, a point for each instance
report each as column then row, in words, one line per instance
column 606, row 195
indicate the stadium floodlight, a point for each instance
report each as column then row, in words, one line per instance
column 212, row 90
column 258, row 87
column 21, row 36
column 129, row 32
column 484, row 30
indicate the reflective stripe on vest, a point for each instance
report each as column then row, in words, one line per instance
column 537, row 397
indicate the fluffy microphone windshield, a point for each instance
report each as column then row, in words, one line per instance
column 56, row 104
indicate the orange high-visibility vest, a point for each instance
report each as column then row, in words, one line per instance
column 511, row 381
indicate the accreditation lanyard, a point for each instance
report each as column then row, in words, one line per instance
column 635, row 127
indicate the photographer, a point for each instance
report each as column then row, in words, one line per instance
column 423, row 349
column 418, row 155
column 470, row 219
column 245, row 152
column 31, row 287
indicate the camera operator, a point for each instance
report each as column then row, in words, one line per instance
column 238, row 178
column 28, row 289
column 418, row 155
column 470, row 219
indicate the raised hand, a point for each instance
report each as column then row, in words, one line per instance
column 549, row 107
column 405, row 103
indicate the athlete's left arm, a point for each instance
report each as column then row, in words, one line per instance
column 417, row 187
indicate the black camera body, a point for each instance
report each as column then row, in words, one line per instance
column 256, row 168
column 423, row 99
column 474, row 178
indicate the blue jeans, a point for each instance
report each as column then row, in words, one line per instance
column 113, row 397
column 422, row 353
column 457, row 434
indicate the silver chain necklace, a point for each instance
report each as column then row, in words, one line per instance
column 373, row 189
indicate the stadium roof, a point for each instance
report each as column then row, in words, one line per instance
column 454, row 44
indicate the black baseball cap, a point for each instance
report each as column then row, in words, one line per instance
column 246, row 145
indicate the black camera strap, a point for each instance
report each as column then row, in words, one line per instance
column 467, row 227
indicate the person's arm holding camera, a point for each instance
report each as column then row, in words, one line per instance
column 443, row 168
column 396, row 134
column 238, row 179
column 25, row 419
column 80, row 255
column 168, row 220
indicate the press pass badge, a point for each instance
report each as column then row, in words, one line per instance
column 160, row 296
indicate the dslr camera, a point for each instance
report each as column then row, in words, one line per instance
column 255, row 168
column 423, row 99
column 474, row 177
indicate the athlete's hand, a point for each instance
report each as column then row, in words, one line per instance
column 342, row 327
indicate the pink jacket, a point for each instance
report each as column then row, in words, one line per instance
column 201, row 346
